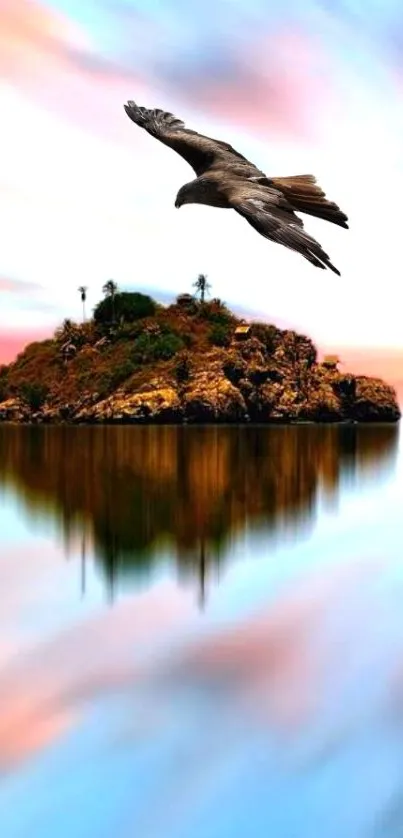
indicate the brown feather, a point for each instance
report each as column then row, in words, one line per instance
column 199, row 151
column 282, row 227
column 306, row 196
column 225, row 178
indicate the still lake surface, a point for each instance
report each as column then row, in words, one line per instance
column 201, row 632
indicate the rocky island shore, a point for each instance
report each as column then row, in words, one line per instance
column 196, row 362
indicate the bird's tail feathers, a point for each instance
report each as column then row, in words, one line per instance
column 304, row 194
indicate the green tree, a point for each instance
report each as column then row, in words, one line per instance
column 219, row 335
column 160, row 347
column 82, row 289
column 33, row 394
column 126, row 306
column 110, row 289
column 202, row 286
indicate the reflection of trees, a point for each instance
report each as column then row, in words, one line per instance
column 134, row 489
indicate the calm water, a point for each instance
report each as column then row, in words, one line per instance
column 201, row 632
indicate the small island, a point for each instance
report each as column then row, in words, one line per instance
column 193, row 361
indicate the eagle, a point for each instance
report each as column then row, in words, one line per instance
column 228, row 180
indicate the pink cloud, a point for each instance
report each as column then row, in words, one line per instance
column 380, row 363
column 280, row 85
column 13, row 341
column 17, row 286
column 274, row 664
column 38, row 55
column 276, row 85
column 41, row 693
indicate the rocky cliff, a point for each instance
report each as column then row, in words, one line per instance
column 261, row 375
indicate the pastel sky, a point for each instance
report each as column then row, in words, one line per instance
column 308, row 86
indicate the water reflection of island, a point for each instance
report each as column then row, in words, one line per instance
column 132, row 491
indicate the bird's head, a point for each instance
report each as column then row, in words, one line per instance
column 184, row 196
column 190, row 193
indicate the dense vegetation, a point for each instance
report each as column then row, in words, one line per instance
column 138, row 361
column 128, row 332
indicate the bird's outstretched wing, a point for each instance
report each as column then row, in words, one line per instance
column 199, row 151
column 274, row 220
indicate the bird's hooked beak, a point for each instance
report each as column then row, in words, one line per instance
column 178, row 203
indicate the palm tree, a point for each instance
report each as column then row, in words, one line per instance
column 202, row 286
column 83, row 291
column 110, row 288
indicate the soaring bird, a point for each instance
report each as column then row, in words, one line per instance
column 227, row 179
